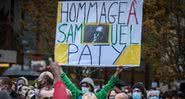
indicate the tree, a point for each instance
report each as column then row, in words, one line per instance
column 42, row 14
column 163, row 37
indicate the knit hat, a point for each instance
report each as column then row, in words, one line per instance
column 140, row 86
column 22, row 78
column 88, row 80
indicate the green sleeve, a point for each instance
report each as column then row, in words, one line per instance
column 102, row 94
column 74, row 90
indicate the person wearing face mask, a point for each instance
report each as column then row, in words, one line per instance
column 153, row 94
column 112, row 94
column 87, row 84
column 138, row 91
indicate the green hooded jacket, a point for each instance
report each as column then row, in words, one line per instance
column 76, row 93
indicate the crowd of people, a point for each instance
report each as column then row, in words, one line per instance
column 55, row 84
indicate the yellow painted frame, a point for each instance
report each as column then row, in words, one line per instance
column 59, row 9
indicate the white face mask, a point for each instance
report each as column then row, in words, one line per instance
column 85, row 89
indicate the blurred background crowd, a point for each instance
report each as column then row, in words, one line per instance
column 43, row 88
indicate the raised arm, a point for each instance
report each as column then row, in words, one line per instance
column 59, row 74
column 111, row 83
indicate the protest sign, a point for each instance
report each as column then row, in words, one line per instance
column 99, row 33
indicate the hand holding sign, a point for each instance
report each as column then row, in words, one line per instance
column 56, row 69
column 118, row 71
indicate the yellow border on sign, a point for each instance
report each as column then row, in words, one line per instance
column 59, row 17
column 61, row 53
column 93, row 23
column 130, row 56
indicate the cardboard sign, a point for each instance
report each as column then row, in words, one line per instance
column 99, row 33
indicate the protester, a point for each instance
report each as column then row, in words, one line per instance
column 30, row 94
column 121, row 96
column 153, row 94
column 59, row 73
column 54, row 86
column 22, row 90
column 128, row 91
column 138, row 91
column 21, row 87
column 6, row 86
column 112, row 94
column 87, row 85
column 60, row 91
column 21, row 81
column 45, row 85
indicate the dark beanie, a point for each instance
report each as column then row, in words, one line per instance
column 139, row 86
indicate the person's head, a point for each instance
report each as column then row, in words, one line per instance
column 5, row 84
column 112, row 94
column 153, row 94
column 121, row 96
column 30, row 94
column 89, row 95
column 46, row 94
column 21, row 81
column 138, row 91
column 45, row 79
column 87, row 85
column 22, row 90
